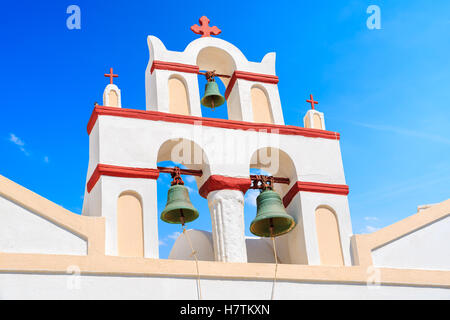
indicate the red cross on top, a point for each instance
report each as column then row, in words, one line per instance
column 204, row 29
column 312, row 101
column 111, row 75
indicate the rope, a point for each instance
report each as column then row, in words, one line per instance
column 194, row 253
column 276, row 267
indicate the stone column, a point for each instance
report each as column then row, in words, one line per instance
column 228, row 227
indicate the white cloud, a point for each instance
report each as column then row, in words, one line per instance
column 18, row 142
column 370, row 229
column 250, row 197
column 174, row 236
column 171, row 237
column 190, row 179
column 162, row 243
column 396, row 189
column 371, row 218
column 404, row 131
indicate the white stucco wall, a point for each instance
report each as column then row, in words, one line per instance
column 259, row 250
column 25, row 286
column 23, row 231
column 426, row 248
column 135, row 143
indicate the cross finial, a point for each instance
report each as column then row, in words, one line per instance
column 111, row 75
column 312, row 101
column 204, row 29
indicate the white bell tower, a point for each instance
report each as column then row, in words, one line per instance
column 126, row 147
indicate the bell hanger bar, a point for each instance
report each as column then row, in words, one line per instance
column 262, row 182
column 212, row 74
column 199, row 173
column 187, row 172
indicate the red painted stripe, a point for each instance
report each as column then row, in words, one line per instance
column 339, row 189
column 173, row 66
column 92, row 120
column 256, row 77
column 216, row 182
column 123, row 172
column 208, row 122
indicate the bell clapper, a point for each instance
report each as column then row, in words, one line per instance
column 271, row 227
column 182, row 219
column 210, row 77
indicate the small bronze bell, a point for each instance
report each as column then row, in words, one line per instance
column 271, row 219
column 212, row 97
column 179, row 208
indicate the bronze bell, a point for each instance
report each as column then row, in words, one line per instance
column 212, row 97
column 271, row 219
column 179, row 208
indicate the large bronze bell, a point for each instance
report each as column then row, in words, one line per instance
column 271, row 219
column 212, row 97
column 179, row 208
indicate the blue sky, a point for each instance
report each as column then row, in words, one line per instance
column 386, row 91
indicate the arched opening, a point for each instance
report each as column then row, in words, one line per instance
column 218, row 60
column 130, row 232
column 178, row 96
column 262, row 112
column 275, row 162
column 328, row 237
column 185, row 154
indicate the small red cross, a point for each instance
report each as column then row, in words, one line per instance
column 111, row 75
column 312, row 101
column 205, row 30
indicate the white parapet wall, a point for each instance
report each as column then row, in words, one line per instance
column 22, row 231
column 73, row 286
column 426, row 248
